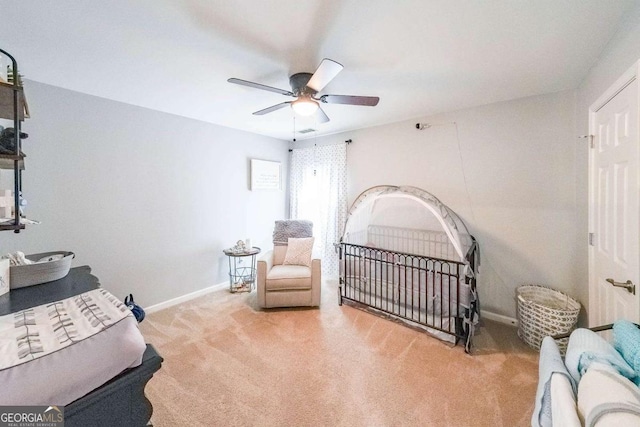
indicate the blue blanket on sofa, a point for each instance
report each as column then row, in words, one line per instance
column 550, row 363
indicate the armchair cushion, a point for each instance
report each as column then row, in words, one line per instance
column 299, row 251
column 288, row 277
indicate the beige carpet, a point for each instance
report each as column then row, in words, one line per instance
column 228, row 363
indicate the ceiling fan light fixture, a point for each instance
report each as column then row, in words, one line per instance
column 305, row 87
column 304, row 106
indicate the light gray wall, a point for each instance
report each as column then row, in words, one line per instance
column 507, row 169
column 519, row 158
column 619, row 55
column 148, row 199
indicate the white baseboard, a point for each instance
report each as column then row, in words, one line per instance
column 498, row 318
column 187, row 297
column 184, row 298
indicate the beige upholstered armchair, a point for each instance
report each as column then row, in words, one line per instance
column 288, row 275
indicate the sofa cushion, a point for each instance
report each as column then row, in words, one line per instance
column 299, row 251
column 606, row 398
column 288, row 277
column 626, row 339
column 550, row 365
column 564, row 411
column 587, row 347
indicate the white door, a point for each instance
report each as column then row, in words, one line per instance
column 614, row 206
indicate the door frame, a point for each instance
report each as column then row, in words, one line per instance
column 620, row 84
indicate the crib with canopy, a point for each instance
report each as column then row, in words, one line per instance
column 407, row 256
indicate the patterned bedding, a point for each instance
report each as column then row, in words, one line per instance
column 55, row 353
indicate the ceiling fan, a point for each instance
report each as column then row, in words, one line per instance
column 305, row 87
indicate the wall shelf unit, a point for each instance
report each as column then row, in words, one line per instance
column 13, row 106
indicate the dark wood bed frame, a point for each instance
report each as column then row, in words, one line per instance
column 119, row 402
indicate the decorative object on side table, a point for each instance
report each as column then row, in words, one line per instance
column 240, row 247
column 242, row 277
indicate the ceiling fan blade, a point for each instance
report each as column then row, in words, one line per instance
column 259, row 86
column 272, row 108
column 327, row 70
column 370, row 101
column 321, row 116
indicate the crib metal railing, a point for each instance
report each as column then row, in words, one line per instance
column 429, row 292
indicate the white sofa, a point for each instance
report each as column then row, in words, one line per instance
column 591, row 386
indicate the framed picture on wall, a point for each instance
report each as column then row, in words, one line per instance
column 266, row 175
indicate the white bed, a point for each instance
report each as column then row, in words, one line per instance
column 55, row 353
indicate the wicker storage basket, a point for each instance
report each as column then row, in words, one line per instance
column 544, row 311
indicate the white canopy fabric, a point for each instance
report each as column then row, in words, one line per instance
column 408, row 207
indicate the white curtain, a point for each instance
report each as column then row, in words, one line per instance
column 318, row 192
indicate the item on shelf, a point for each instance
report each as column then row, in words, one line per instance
column 22, row 202
column 7, row 204
column 10, row 75
column 7, row 140
column 41, row 270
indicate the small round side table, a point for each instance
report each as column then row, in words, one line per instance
column 242, row 270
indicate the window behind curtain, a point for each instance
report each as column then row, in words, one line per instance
column 318, row 192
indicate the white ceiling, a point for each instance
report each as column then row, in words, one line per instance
column 419, row 56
